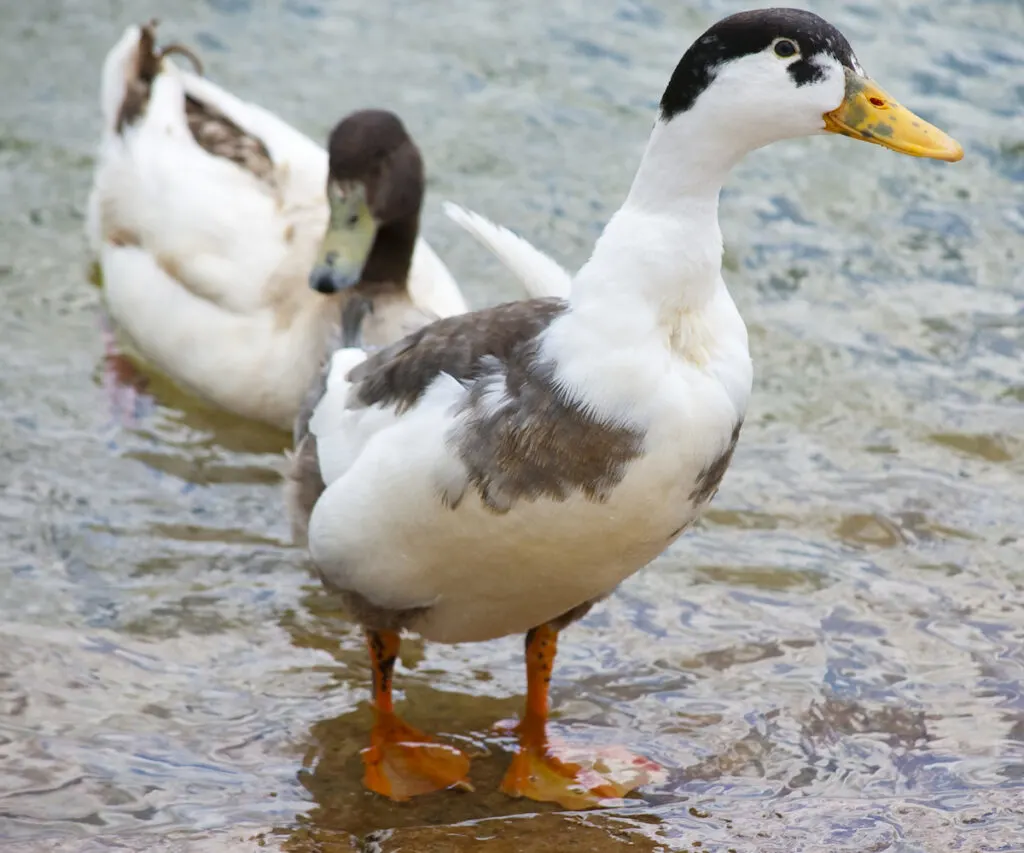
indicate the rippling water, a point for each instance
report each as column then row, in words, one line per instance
column 834, row 660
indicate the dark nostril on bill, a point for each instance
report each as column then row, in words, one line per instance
column 322, row 282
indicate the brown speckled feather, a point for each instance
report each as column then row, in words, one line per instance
column 399, row 374
column 538, row 441
column 220, row 136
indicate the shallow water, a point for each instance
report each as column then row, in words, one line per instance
column 834, row 660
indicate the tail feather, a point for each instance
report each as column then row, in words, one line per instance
column 540, row 274
column 129, row 70
column 120, row 68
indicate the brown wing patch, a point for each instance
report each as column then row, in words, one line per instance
column 220, row 136
column 399, row 374
column 518, row 433
column 709, row 479
column 537, row 440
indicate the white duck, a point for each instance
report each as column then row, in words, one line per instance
column 499, row 472
column 206, row 214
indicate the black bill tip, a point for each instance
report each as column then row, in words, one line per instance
column 329, row 279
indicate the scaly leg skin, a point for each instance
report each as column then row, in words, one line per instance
column 123, row 383
column 402, row 762
column 536, row 772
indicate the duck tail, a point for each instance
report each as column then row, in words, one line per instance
column 129, row 70
column 540, row 274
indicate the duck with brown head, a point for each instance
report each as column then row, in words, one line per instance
column 206, row 215
column 375, row 190
column 375, row 186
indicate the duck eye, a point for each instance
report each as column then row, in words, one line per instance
column 784, row 48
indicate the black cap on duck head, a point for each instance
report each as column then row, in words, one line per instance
column 797, row 33
column 375, row 186
column 769, row 74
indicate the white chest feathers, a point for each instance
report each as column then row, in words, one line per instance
column 488, row 509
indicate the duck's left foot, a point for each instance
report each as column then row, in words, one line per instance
column 403, row 762
column 585, row 781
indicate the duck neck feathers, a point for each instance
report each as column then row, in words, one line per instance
column 652, row 295
column 661, row 253
column 391, row 256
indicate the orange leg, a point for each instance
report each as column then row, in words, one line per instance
column 401, row 761
column 536, row 772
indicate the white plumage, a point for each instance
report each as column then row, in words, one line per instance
column 500, row 472
column 651, row 341
column 539, row 273
column 204, row 263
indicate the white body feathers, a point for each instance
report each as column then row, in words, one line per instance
column 652, row 341
column 205, row 265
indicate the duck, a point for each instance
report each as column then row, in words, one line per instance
column 374, row 191
column 207, row 214
column 502, row 471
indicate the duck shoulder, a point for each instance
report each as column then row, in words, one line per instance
column 516, row 432
column 464, row 347
column 381, row 317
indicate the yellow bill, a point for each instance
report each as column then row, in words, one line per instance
column 869, row 114
column 351, row 231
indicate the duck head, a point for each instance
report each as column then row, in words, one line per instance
column 769, row 74
column 375, row 189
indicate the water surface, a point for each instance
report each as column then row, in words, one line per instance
column 833, row 661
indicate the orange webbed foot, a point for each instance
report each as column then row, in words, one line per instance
column 403, row 762
column 575, row 778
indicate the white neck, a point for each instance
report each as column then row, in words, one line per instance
column 685, row 163
column 660, row 256
column 652, row 292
